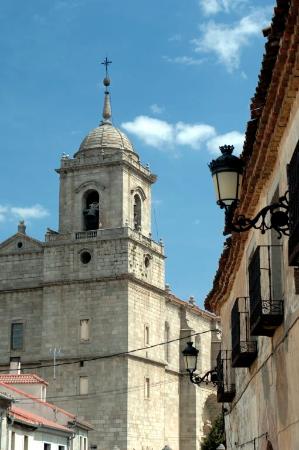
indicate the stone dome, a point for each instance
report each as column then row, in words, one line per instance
column 105, row 136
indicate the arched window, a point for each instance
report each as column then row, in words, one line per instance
column 91, row 210
column 166, row 339
column 137, row 212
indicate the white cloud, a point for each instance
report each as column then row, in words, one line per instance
column 32, row 212
column 232, row 138
column 153, row 132
column 167, row 136
column 193, row 135
column 9, row 213
column 184, row 60
column 210, row 7
column 156, row 109
column 226, row 41
column 3, row 212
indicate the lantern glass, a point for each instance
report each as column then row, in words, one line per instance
column 190, row 354
column 227, row 186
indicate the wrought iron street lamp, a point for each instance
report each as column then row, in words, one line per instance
column 227, row 172
column 190, row 355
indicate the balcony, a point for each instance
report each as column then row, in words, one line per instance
column 226, row 393
column 226, row 389
column 244, row 348
column 244, row 353
column 266, row 316
column 265, row 290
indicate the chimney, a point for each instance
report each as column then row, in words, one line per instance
column 15, row 366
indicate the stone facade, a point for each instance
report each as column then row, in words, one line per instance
column 264, row 412
column 110, row 279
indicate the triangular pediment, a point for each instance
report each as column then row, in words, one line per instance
column 20, row 242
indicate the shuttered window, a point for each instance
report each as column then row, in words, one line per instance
column 254, row 274
column 293, row 180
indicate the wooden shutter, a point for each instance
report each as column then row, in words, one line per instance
column 293, row 180
column 254, row 273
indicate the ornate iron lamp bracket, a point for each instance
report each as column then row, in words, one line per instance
column 210, row 377
column 274, row 216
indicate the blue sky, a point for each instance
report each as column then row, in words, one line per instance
column 182, row 77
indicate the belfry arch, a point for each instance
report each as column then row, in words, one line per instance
column 91, row 210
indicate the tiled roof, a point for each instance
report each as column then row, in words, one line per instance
column 105, row 136
column 23, row 378
column 35, row 420
column 71, row 417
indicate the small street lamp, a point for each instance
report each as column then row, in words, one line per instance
column 190, row 355
column 220, row 447
column 227, row 172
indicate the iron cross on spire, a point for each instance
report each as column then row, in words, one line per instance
column 106, row 63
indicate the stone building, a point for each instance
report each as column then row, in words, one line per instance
column 256, row 288
column 93, row 293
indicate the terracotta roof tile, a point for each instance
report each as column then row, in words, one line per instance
column 35, row 420
column 23, row 378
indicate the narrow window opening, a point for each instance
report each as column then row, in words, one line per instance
column 146, row 335
column 16, row 340
column 166, row 344
column 137, row 213
column 147, row 388
column 25, row 442
column 13, row 441
column 91, row 211
column 83, row 388
column 47, row 446
column 84, row 330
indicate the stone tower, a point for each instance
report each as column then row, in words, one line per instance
column 95, row 290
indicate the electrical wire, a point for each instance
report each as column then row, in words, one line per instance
column 114, row 355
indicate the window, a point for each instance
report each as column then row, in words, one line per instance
column 84, row 329
column 26, row 442
column 61, row 447
column 166, row 344
column 137, row 213
column 293, row 181
column 83, row 387
column 16, row 340
column 47, row 446
column 146, row 335
column 13, row 441
column 81, row 443
column 244, row 348
column 147, row 388
column 265, row 290
column 226, row 389
column 91, row 210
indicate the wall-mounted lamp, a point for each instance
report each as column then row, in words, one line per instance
column 227, row 173
column 190, row 355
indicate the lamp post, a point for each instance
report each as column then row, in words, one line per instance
column 227, row 173
column 190, row 354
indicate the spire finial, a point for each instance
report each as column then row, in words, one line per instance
column 106, row 82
